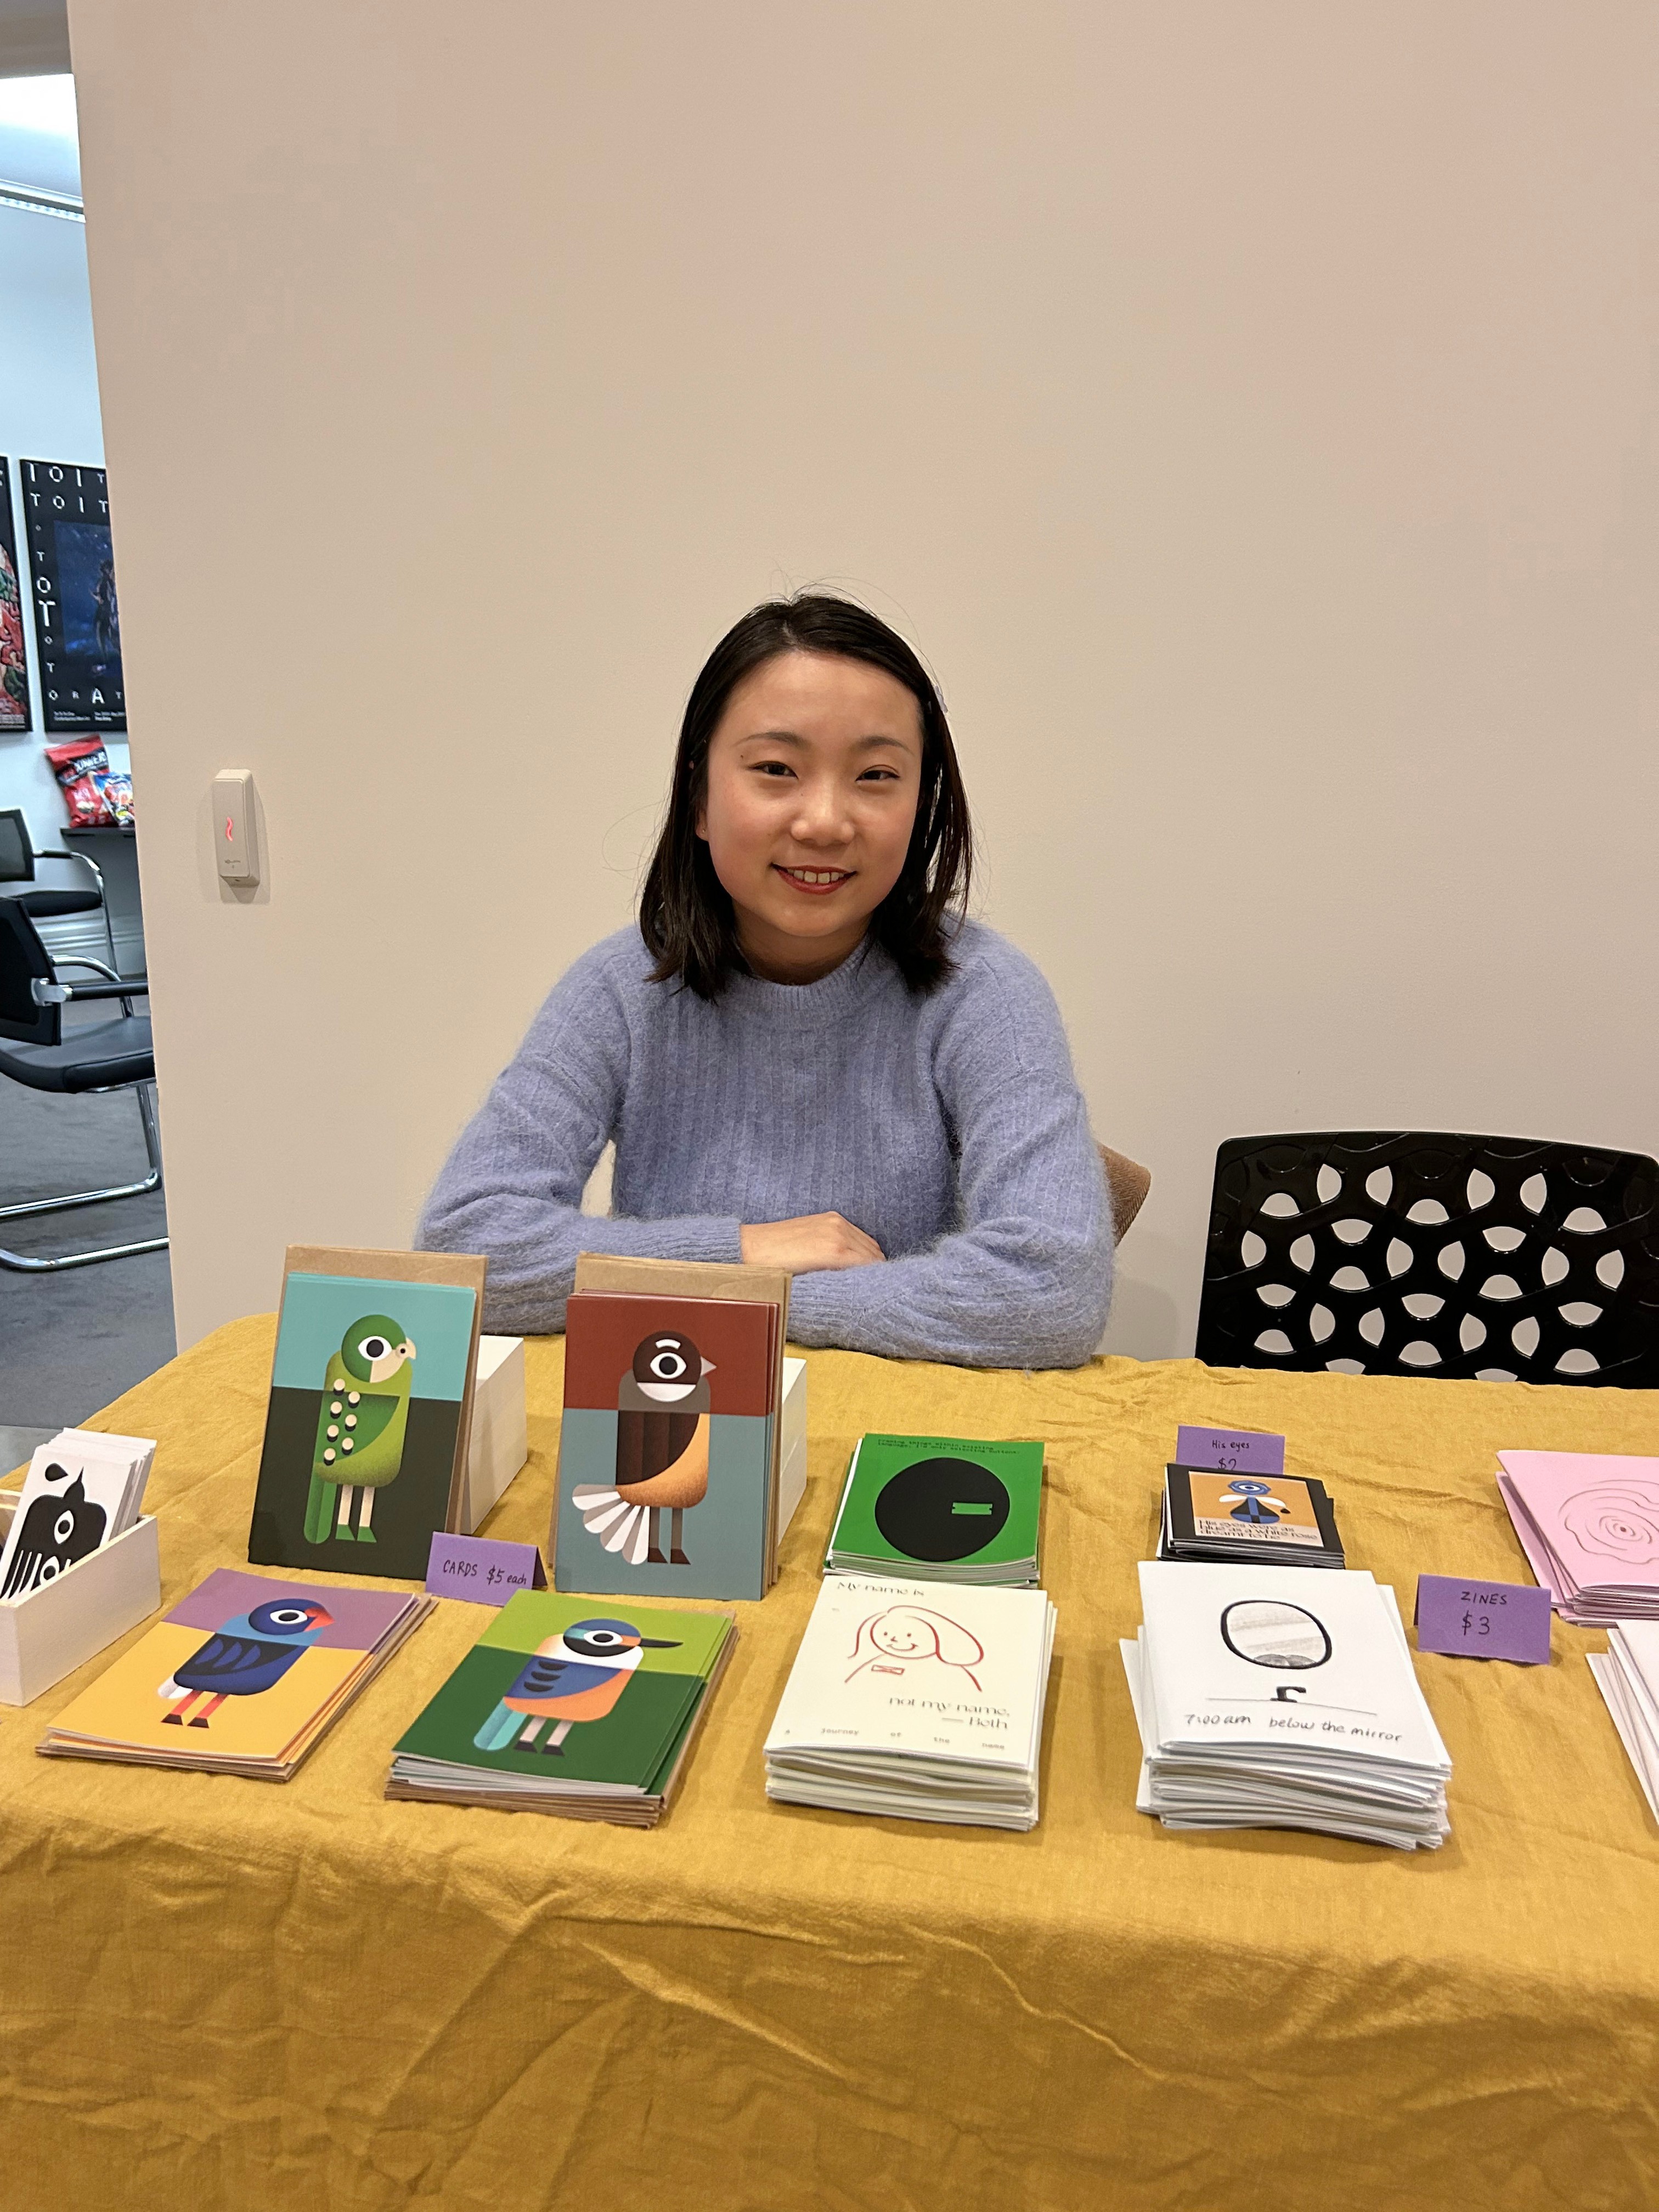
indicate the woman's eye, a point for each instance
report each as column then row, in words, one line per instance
column 777, row 768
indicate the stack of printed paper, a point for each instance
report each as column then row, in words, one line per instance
column 1223, row 1517
column 571, row 1707
column 907, row 1700
column 243, row 1677
column 940, row 1510
column 1588, row 1523
column 83, row 1491
column 1627, row 1675
column 1269, row 1698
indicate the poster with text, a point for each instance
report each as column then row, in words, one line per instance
column 14, row 661
column 78, row 623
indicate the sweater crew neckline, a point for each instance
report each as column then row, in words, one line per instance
column 845, row 991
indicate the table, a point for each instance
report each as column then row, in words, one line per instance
column 222, row 1993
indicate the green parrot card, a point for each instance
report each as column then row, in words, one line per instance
column 370, row 1412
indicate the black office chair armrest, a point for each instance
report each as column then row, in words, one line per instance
column 57, row 994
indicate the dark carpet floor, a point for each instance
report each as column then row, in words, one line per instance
column 70, row 1342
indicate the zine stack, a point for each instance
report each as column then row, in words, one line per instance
column 941, row 1509
column 909, row 1700
column 671, row 1443
column 1627, row 1675
column 1266, row 1700
column 565, row 1706
column 1589, row 1524
column 1237, row 1518
column 83, row 1491
column 262, row 1668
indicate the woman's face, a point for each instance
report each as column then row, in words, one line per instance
column 814, row 771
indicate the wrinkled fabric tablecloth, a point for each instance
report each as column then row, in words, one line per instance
column 215, row 1992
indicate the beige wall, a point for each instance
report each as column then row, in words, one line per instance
column 1248, row 410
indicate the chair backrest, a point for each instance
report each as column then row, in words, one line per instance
column 16, row 853
column 24, row 961
column 1127, row 1185
column 1405, row 1252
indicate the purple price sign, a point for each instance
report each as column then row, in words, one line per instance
column 1483, row 1620
column 1230, row 1451
column 481, row 1570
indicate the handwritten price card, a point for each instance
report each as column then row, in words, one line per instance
column 482, row 1571
column 1483, row 1620
column 1230, row 1451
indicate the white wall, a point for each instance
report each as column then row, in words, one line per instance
column 1248, row 410
column 48, row 394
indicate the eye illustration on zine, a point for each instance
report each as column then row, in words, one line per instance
column 1269, row 1632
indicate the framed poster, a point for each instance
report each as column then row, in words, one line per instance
column 77, row 625
column 13, row 660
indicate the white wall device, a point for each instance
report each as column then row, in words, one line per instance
column 235, row 826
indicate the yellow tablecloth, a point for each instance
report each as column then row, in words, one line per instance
column 215, row 1992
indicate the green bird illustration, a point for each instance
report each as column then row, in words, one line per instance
column 361, row 1427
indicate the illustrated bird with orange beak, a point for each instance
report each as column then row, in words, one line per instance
column 662, row 1453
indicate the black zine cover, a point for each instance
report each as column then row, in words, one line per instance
column 77, row 625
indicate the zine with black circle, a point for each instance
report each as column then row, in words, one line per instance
column 942, row 1509
column 1268, row 1632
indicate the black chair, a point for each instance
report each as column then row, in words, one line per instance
column 49, row 901
column 36, row 1050
column 1403, row 1252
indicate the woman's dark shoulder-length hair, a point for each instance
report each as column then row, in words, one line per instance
column 685, row 914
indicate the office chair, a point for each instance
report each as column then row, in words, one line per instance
column 35, row 1050
column 49, row 901
column 1410, row 1252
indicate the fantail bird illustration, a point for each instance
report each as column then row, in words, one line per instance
column 361, row 1424
column 575, row 1676
column 248, row 1655
column 662, row 1453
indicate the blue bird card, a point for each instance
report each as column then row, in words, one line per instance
column 371, row 1409
column 241, row 1677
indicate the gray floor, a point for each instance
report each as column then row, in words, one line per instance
column 70, row 1342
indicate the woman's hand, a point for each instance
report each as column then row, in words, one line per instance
column 810, row 1242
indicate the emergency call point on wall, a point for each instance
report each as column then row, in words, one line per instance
column 235, row 827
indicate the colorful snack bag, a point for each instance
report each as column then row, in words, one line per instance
column 79, row 767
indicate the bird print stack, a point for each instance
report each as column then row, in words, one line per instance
column 568, row 1706
column 670, row 1445
column 917, row 1701
column 370, row 1411
column 243, row 1677
column 1269, row 1697
column 83, row 1489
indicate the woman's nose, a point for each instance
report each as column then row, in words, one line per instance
column 822, row 818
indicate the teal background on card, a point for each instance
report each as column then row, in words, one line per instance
column 318, row 1310
column 725, row 1535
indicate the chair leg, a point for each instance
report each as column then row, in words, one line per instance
column 24, row 1265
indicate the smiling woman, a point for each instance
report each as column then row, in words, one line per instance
column 805, row 1054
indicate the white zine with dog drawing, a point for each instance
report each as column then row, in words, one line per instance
column 917, row 1699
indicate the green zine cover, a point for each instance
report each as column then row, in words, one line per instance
column 941, row 1501
column 569, row 1689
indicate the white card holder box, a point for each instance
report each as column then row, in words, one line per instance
column 52, row 1631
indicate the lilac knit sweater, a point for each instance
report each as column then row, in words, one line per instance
column 949, row 1129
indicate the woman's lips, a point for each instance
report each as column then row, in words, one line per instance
column 814, row 883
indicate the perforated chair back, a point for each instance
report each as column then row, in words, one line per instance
column 23, row 961
column 1406, row 1252
column 16, row 853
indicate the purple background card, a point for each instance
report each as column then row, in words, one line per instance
column 1483, row 1620
column 1230, row 1451
column 362, row 1617
column 481, row 1569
